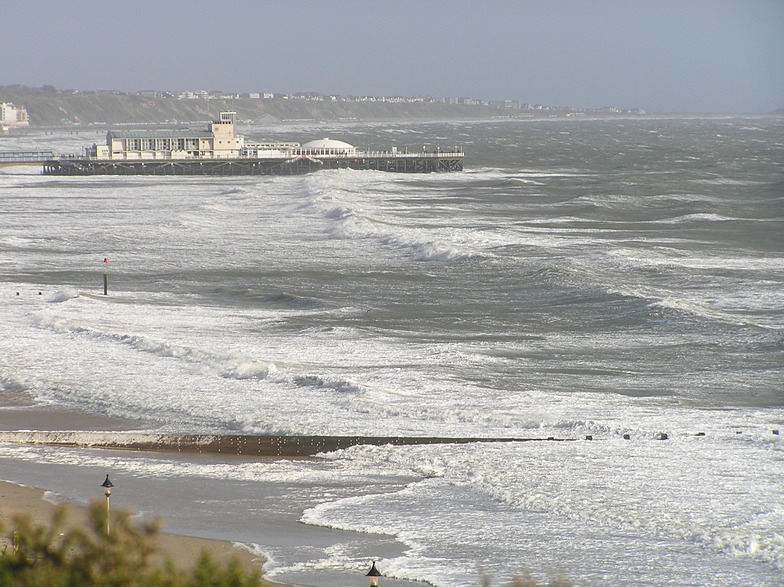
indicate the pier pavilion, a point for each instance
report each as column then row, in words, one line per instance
column 219, row 150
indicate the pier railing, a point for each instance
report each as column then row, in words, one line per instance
column 282, row 156
column 384, row 154
column 25, row 157
column 34, row 157
column 419, row 155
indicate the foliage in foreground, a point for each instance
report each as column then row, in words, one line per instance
column 53, row 556
column 527, row 580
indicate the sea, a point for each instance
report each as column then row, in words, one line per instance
column 615, row 283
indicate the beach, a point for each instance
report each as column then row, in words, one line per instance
column 23, row 490
column 184, row 551
column 39, row 504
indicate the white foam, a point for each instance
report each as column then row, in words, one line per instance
column 240, row 305
column 64, row 295
column 616, row 495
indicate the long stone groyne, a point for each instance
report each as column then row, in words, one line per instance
column 262, row 446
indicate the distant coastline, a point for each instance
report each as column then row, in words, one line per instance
column 48, row 106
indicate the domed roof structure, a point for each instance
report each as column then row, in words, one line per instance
column 329, row 147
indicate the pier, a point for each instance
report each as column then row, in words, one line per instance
column 392, row 162
column 219, row 150
column 376, row 161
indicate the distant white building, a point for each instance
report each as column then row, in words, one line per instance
column 11, row 115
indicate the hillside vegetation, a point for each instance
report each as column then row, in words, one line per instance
column 48, row 106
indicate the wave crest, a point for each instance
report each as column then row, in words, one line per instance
column 64, row 295
column 231, row 366
column 340, row 385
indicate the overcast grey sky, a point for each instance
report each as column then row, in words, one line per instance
column 661, row 55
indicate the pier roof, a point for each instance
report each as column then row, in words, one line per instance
column 160, row 134
column 327, row 144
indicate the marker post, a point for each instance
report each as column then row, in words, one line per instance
column 106, row 276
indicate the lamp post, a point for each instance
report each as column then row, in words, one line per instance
column 373, row 575
column 107, row 491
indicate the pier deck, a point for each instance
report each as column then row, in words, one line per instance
column 419, row 163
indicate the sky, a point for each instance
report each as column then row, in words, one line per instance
column 708, row 56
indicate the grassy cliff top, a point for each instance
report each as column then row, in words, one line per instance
column 48, row 106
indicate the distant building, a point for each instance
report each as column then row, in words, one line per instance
column 11, row 115
column 513, row 104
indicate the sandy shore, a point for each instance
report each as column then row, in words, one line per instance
column 16, row 412
column 184, row 550
column 266, row 514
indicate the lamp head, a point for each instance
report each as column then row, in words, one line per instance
column 373, row 575
column 107, row 486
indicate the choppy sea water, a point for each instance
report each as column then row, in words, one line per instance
column 579, row 278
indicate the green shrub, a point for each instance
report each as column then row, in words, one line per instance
column 55, row 556
column 527, row 580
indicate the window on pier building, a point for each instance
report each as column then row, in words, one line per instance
column 227, row 117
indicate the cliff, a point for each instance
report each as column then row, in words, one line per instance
column 48, row 106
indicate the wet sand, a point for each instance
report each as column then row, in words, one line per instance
column 19, row 412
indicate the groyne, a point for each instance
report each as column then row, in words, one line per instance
column 247, row 445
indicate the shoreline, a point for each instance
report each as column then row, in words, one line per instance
column 40, row 505
column 274, row 539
